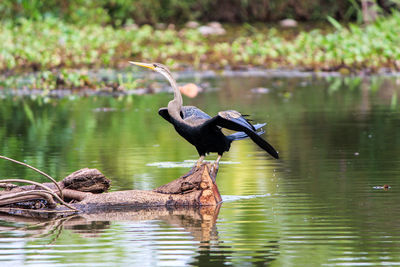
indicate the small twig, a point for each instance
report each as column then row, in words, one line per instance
column 47, row 189
column 26, row 181
column 27, row 195
column 36, row 170
column 7, row 182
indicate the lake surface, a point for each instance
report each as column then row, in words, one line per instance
column 322, row 203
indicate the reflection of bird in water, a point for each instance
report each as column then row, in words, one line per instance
column 203, row 131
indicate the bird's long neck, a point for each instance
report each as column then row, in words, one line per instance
column 177, row 92
column 175, row 105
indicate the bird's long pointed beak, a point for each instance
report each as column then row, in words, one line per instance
column 145, row 65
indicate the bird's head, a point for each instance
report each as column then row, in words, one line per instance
column 160, row 68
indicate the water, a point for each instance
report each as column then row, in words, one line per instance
column 322, row 203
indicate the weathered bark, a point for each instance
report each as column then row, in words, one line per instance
column 194, row 189
column 87, row 180
column 83, row 180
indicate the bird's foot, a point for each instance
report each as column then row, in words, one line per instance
column 214, row 167
column 199, row 163
column 214, row 170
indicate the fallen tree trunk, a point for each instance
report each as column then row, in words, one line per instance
column 82, row 189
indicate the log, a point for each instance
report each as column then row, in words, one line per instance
column 83, row 190
column 87, row 180
column 83, row 180
column 194, row 189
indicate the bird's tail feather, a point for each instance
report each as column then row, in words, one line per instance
column 243, row 135
column 259, row 125
column 255, row 136
column 263, row 144
column 237, row 136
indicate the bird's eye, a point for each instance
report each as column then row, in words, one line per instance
column 154, row 65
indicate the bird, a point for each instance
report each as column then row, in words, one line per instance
column 203, row 131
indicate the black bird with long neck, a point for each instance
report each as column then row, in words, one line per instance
column 202, row 130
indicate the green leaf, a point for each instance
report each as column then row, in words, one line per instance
column 334, row 23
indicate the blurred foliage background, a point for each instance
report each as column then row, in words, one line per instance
column 347, row 36
column 118, row 12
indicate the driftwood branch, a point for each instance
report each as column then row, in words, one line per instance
column 27, row 196
column 36, row 170
column 203, row 192
column 32, row 194
column 83, row 189
column 85, row 180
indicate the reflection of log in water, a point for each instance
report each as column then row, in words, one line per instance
column 199, row 222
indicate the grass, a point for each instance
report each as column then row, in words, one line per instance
column 51, row 44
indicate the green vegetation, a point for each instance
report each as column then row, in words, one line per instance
column 49, row 39
column 51, row 43
column 354, row 47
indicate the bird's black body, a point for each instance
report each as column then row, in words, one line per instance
column 203, row 131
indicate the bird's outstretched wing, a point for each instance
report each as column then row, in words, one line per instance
column 188, row 113
column 194, row 112
column 233, row 120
